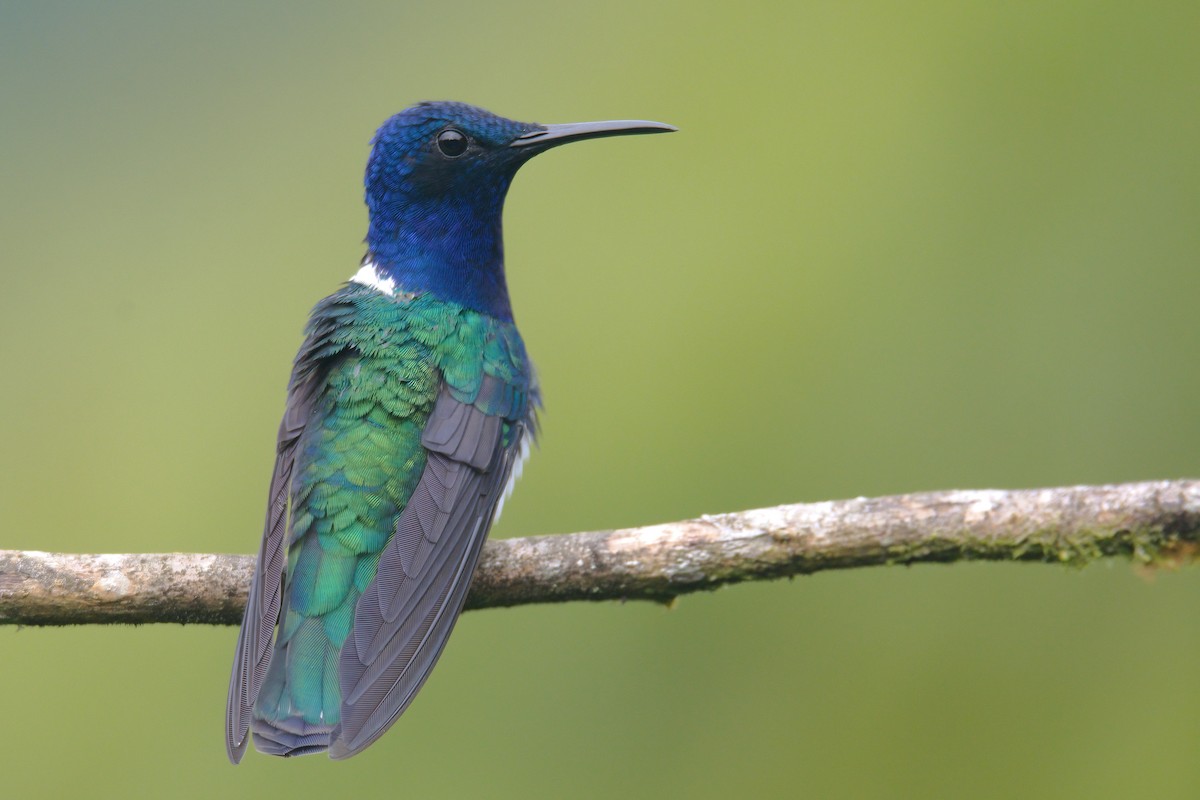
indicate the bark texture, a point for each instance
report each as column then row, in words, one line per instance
column 1153, row 523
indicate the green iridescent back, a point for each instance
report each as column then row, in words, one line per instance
column 381, row 361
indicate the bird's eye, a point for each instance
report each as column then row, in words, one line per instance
column 452, row 143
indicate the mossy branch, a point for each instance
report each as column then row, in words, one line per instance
column 1154, row 523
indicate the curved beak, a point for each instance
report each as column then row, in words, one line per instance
column 552, row 135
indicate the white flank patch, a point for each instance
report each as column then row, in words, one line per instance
column 368, row 275
column 513, row 476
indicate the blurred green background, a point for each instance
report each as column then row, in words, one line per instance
column 894, row 247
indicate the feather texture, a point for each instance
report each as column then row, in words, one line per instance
column 405, row 616
column 253, row 654
column 405, row 414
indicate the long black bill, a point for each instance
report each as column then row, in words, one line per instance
column 552, row 135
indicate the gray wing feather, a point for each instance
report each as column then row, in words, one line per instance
column 253, row 654
column 406, row 614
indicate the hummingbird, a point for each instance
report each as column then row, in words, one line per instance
column 410, row 410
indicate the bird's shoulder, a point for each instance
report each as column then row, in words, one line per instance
column 410, row 336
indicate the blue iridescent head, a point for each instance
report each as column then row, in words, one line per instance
column 435, row 186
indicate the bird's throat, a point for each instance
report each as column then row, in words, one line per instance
column 455, row 256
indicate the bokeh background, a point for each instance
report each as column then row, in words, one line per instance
column 894, row 247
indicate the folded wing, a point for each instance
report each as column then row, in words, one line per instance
column 404, row 617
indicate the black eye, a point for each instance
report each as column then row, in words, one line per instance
column 452, row 143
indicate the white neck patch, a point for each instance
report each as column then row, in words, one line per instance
column 368, row 275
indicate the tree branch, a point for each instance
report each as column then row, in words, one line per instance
column 1154, row 523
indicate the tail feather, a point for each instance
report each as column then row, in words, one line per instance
column 295, row 711
column 273, row 739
